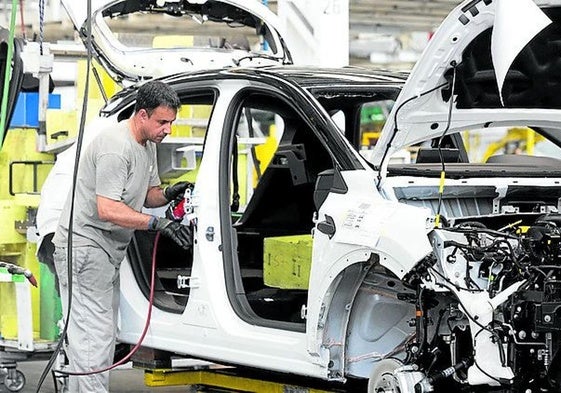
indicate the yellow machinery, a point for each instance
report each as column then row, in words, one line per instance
column 516, row 140
column 524, row 138
column 223, row 379
column 29, row 316
column 206, row 375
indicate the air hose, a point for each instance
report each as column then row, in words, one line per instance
column 16, row 269
column 144, row 331
column 79, row 142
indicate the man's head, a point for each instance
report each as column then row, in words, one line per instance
column 156, row 108
column 154, row 94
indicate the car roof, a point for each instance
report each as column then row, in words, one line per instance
column 314, row 79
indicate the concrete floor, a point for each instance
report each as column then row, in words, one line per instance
column 126, row 379
column 123, row 380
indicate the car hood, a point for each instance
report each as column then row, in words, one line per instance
column 478, row 44
column 184, row 35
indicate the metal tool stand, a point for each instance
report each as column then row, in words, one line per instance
column 22, row 348
column 12, row 378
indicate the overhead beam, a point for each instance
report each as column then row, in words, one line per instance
column 404, row 15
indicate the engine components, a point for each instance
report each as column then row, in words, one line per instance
column 488, row 309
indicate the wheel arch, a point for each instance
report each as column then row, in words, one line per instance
column 362, row 318
column 334, row 311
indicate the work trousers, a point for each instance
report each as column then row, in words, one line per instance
column 92, row 325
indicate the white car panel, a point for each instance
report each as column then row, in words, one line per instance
column 180, row 51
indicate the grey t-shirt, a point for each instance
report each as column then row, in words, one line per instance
column 115, row 166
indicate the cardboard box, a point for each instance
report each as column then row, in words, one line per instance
column 287, row 261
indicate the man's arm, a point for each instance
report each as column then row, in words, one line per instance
column 155, row 197
column 120, row 214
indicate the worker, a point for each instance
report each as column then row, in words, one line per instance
column 117, row 175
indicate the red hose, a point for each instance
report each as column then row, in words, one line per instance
column 146, row 325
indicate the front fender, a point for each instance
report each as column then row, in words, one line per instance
column 360, row 229
column 395, row 231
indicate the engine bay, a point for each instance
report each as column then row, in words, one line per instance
column 488, row 308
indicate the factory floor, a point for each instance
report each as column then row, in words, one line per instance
column 214, row 378
column 123, row 380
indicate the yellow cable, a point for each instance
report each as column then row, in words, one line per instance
column 441, row 187
column 440, row 193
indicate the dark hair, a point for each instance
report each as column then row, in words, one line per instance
column 154, row 94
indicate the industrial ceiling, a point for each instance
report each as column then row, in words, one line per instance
column 378, row 26
column 398, row 16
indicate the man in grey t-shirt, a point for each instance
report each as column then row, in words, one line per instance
column 117, row 176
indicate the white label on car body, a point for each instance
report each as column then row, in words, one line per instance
column 362, row 224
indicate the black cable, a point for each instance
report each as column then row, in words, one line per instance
column 99, row 84
column 469, row 281
column 251, row 131
column 550, row 267
column 502, row 239
column 473, row 319
column 471, row 225
column 41, row 25
column 441, row 314
column 498, row 338
column 494, row 245
column 459, row 288
column 395, row 129
column 464, row 310
column 79, row 143
column 546, row 275
column 421, row 320
column 54, row 381
column 482, row 230
column 440, row 156
column 486, row 373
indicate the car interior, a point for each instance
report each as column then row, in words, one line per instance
column 273, row 227
column 283, row 174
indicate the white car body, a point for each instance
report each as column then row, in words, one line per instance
column 379, row 244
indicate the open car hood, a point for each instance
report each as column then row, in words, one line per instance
column 142, row 39
column 462, row 45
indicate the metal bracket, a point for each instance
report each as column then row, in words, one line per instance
column 35, row 165
column 187, row 282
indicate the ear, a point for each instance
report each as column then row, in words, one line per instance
column 143, row 114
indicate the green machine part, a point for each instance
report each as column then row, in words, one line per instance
column 50, row 307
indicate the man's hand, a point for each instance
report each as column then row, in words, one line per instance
column 175, row 190
column 181, row 234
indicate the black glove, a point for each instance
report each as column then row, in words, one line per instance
column 181, row 234
column 175, row 190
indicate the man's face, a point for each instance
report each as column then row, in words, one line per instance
column 157, row 126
